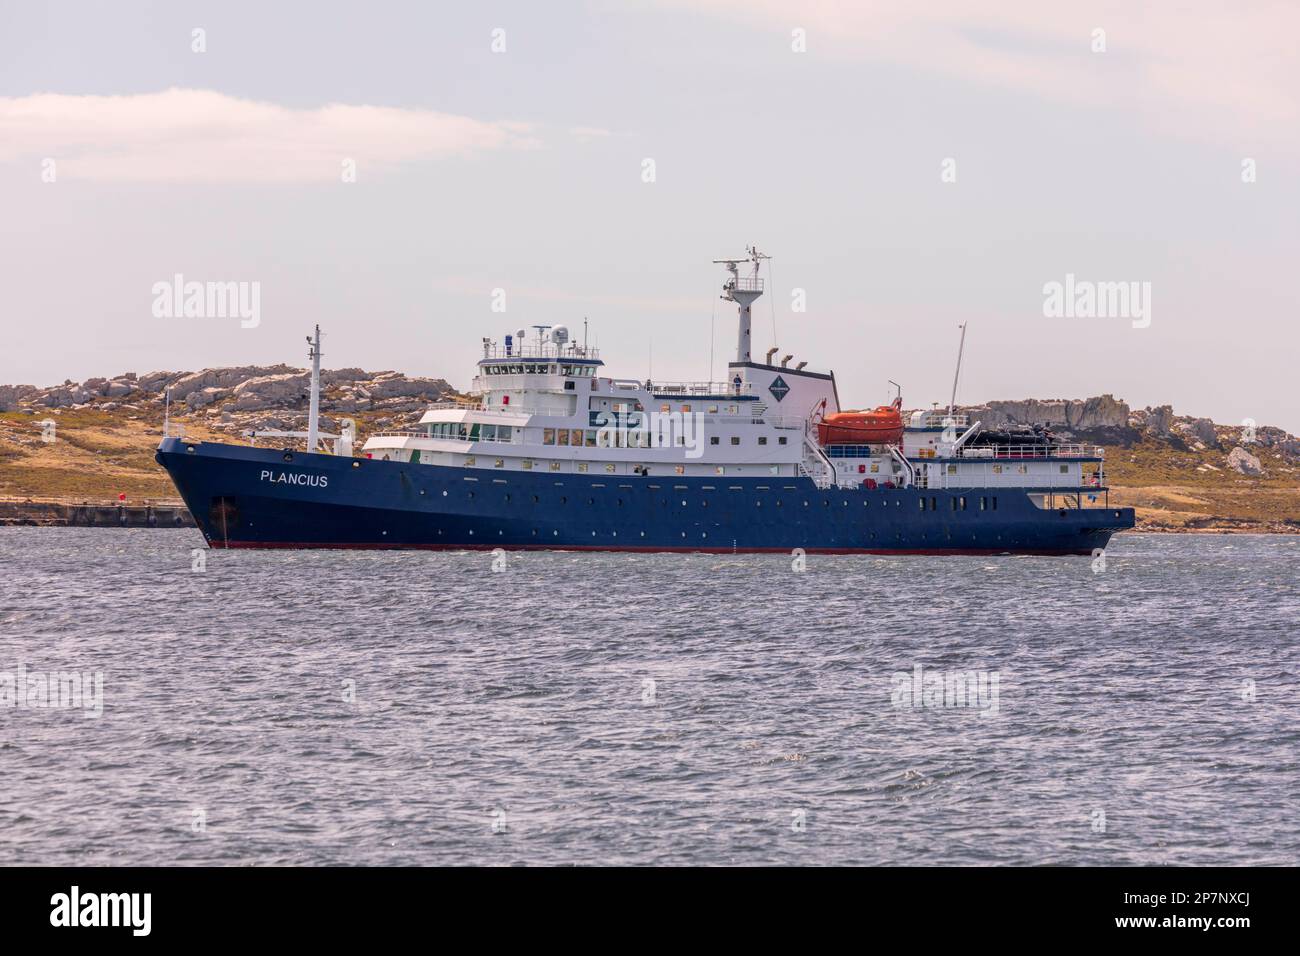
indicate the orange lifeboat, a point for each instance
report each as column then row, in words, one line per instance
column 881, row 426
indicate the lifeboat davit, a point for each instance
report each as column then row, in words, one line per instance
column 880, row 426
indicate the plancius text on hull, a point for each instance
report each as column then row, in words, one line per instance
column 555, row 454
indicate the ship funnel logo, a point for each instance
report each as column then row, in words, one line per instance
column 778, row 388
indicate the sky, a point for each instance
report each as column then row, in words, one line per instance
column 383, row 169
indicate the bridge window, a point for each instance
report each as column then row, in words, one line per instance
column 713, row 439
column 782, row 440
column 735, row 439
column 762, row 439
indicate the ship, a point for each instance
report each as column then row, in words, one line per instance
column 550, row 452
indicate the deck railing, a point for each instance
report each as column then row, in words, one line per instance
column 1004, row 452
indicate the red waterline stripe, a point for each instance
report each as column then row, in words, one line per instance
column 644, row 549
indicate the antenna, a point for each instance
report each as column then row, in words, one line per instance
column 956, row 375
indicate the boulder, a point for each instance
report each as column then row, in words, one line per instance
column 1160, row 421
column 1244, row 462
column 205, row 396
column 1202, row 429
column 270, row 391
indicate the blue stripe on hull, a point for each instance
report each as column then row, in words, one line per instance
column 252, row 497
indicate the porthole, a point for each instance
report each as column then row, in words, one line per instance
column 444, row 493
column 288, row 456
column 356, row 464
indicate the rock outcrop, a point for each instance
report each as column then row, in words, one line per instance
column 241, row 397
column 1088, row 414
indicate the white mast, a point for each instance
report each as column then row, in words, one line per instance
column 956, row 375
column 743, row 291
column 313, row 414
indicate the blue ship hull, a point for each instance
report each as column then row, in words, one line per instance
column 246, row 497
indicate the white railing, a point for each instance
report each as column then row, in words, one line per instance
column 525, row 351
column 721, row 390
column 939, row 420
column 1003, row 452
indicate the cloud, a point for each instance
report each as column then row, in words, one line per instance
column 185, row 135
column 1225, row 73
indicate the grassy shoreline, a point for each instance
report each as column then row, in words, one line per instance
column 98, row 455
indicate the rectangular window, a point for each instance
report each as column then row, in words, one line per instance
column 610, row 468
column 962, row 499
column 489, row 433
column 782, row 440
column 665, row 408
column 1065, row 469
column 575, row 437
column 921, row 502
column 762, row 439
column 591, row 439
column 713, row 440
column 555, row 466
column 713, row 409
column 934, row 504
column 983, row 502
column 680, row 469
column 527, row 464
column 562, row 436
column 686, row 409
column 548, row 436
column 735, row 439
column 954, row 503
column 582, row 466
column 997, row 469
column 719, row 470
column 499, row 463
column 995, row 504
column 952, row 469
column 469, row 461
